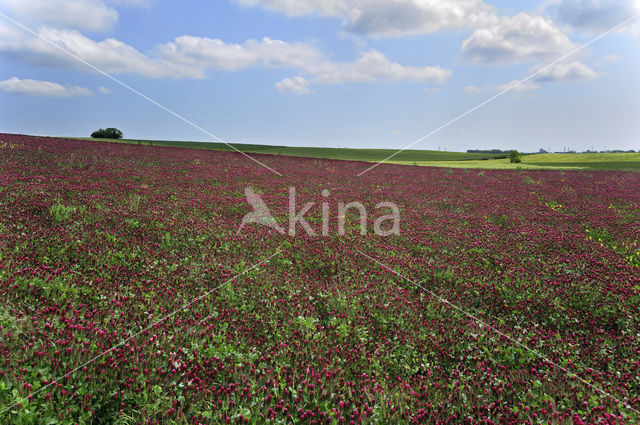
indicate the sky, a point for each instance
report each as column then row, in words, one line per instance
column 348, row 73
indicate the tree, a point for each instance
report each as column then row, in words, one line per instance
column 109, row 133
column 514, row 156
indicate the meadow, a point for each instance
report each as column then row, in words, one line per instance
column 347, row 154
column 128, row 295
column 554, row 161
column 429, row 158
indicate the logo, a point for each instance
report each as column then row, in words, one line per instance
column 262, row 215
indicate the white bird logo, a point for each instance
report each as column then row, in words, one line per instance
column 260, row 213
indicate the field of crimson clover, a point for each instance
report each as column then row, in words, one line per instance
column 100, row 240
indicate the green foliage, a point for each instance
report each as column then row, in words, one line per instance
column 109, row 133
column 515, row 157
column 8, row 321
column 316, row 325
column 61, row 212
column 604, row 161
column 373, row 155
column 166, row 242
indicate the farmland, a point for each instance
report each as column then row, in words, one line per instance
column 429, row 158
column 555, row 161
column 348, row 154
column 129, row 295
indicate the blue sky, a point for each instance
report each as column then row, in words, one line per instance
column 357, row 73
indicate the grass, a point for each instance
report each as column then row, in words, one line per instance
column 97, row 254
column 591, row 161
column 548, row 161
column 371, row 155
column 493, row 164
column 429, row 158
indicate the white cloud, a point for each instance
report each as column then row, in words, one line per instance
column 518, row 88
column 191, row 57
column 567, row 71
column 296, row 85
column 42, row 88
column 597, row 16
column 392, row 18
column 110, row 55
column 301, row 7
column 9, row 31
column 371, row 66
column 132, row 3
column 431, row 90
column 388, row 18
column 472, row 90
column 604, row 60
column 206, row 53
column 521, row 38
column 215, row 54
column 92, row 15
column 610, row 58
column 396, row 132
column 104, row 90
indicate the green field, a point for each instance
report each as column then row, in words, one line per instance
column 549, row 161
column 135, row 290
column 591, row 161
column 429, row 158
column 492, row 164
column 370, row 155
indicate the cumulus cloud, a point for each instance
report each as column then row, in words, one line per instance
column 191, row 57
column 42, row 88
column 392, row 18
column 610, row 58
column 93, row 15
column 211, row 53
column 133, row 3
column 597, row 16
column 604, row 60
column 472, row 90
column 296, row 85
column 206, row 53
column 110, row 55
column 301, row 7
column 371, row 66
column 104, row 90
column 388, row 18
column 518, row 88
column 567, row 71
column 521, row 38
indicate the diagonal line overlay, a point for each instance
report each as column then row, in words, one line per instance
column 502, row 334
column 159, row 105
column 508, row 89
column 124, row 341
